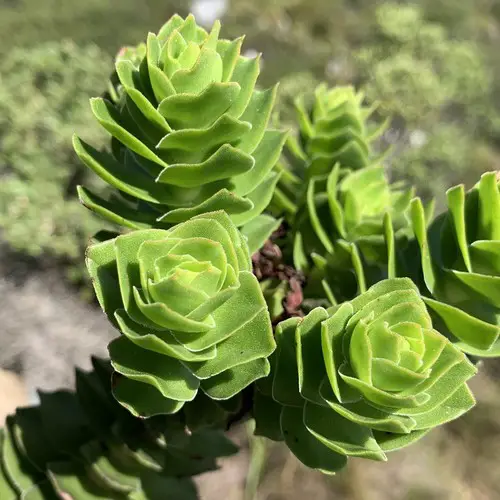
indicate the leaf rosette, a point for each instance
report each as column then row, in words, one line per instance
column 84, row 445
column 189, row 131
column 361, row 379
column 340, row 235
column 191, row 313
column 336, row 192
column 349, row 206
column 346, row 190
column 333, row 128
column 460, row 260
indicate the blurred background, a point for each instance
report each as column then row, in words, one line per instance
column 434, row 67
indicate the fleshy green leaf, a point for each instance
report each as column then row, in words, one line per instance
column 341, row 435
column 309, row 450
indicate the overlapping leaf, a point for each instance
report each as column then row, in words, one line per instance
column 349, row 206
column 335, row 194
column 332, row 128
column 361, row 379
column 190, row 131
column 191, row 313
column 460, row 262
column 84, row 445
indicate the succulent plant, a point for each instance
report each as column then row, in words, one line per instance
column 356, row 364
column 189, row 132
column 460, row 262
column 339, row 194
column 191, row 313
column 85, row 445
column 361, row 379
column 332, row 129
column 349, row 206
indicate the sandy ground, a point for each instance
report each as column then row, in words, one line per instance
column 12, row 394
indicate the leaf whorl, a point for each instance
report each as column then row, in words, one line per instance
column 85, row 445
column 189, row 132
column 460, row 265
column 361, row 379
column 191, row 313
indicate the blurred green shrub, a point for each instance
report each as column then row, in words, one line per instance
column 44, row 95
column 301, row 35
column 438, row 88
column 108, row 23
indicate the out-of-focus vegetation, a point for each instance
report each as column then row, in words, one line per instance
column 43, row 98
column 439, row 89
column 107, row 23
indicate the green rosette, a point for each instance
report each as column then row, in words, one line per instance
column 361, row 379
column 460, row 262
column 346, row 190
column 335, row 193
column 349, row 206
column 189, row 132
column 340, row 234
column 84, row 445
column 191, row 313
column 332, row 128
